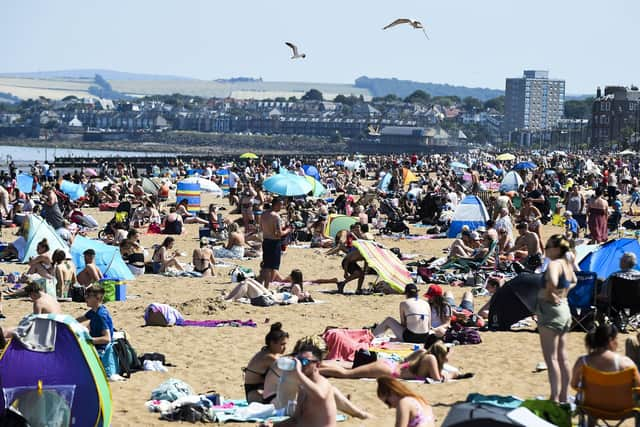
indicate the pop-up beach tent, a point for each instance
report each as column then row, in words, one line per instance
column 335, row 223
column 36, row 230
column 108, row 258
column 470, row 212
column 511, row 182
column 605, row 260
column 388, row 266
column 514, row 301
column 50, row 371
column 25, row 183
column 71, row 189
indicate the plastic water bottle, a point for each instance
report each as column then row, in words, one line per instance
column 286, row 364
column 416, row 347
column 291, row 407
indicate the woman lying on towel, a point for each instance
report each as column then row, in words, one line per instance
column 252, row 289
column 421, row 365
column 260, row 364
column 280, row 386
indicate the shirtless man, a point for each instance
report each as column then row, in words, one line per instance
column 43, row 303
column 272, row 232
column 415, row 318
column 527, row 246
column 462, row 247
column 91, row 273
column 316, row 406
column 352, row 270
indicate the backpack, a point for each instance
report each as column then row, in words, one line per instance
column 128, row 361
column 76, row 293
column 263, row 301
column 462, row 335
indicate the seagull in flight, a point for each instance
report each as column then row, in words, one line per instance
column 296, row 54
column 415, row 24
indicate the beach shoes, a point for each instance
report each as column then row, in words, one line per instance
column 115, row 378
column 341, row 286
column 541, row 366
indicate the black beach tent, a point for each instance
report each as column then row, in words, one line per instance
column 514, row 301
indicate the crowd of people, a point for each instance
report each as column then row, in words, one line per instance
column 382, row 195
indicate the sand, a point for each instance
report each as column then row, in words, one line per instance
column 211, row 359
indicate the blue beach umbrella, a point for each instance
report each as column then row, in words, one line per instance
column 458, row 165
column 287, row 185
column 525, row 165
column 311, row 171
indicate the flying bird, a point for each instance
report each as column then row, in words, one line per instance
column 296, row 54
column 415, row 24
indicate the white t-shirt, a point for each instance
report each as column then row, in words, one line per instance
column 233, row 180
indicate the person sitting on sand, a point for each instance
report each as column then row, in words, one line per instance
column 64, row 272
column 163, row 258
column 172, row 223
column 235, row 247
column 492, row 286
column 133, row 253
column 527, row 247
column 318, row 240
column 440, row 310
column 182, row 209
column 412, row 410
column 297, row 287
column 415, row 319
column 91, row 273
column 419, row 365
column 462, row 247
column 316, row 404
column 203, row 260
column 41, row 264
column 282, row 386
column 43, row 303
column 256, row 371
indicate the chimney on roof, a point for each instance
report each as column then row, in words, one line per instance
column 598, row 92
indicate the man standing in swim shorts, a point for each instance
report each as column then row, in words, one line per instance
column 272, row 232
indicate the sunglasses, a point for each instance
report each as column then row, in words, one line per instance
column 306, row 362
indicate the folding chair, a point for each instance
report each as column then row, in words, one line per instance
column 623, row 300
column 581, row 300
column 607, row 396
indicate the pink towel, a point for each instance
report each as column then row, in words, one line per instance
column 344, row 343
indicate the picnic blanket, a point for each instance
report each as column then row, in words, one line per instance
column 217, row 323
column 385, row 263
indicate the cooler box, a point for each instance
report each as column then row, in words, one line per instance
column 121, row 292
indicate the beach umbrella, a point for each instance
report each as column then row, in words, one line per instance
column 524, row 165
column 205, row 184
column 90, row 172
column 408, row 177
column 249, row 156
column 287, row 185
column 505, row 156
column 491, row 166
column 311, row 171
column 317, row 189
column 336, row 223
column 458, row 165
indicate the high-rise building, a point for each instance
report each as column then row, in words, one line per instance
column 533, row 102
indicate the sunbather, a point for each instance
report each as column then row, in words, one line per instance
column 281, row 387
column 412, row 410
column 163, row 259
column 419, row 365
column 252, row 289
column 256, row 371
column 203, row 259
column 415, row 318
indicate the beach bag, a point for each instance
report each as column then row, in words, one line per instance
column 239, row 274
column 462, row 335
column 109, row 287
column 263, row 301
column 154, row 229
column 128, row 361
column 76, row 293
column 153, row 357
column 364, row 357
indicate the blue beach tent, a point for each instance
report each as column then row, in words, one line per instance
column 73, row 190
column 108, row 258
column 470, row 212
column 511, row 182
column 25, row 183
column 37, row 229
column 606, row 259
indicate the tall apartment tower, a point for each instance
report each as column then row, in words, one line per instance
column 533, row 102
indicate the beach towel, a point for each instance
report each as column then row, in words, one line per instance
column 217, row 323
column 157, row 314
column 385, row 263
column 241, row 411
column 343, row 343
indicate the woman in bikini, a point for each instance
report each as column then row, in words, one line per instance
column 412, row 410
column 132, row 253
column 65, row 273
column 256, row 371
column 163, row 259
column 203, row 259
column 187, row 217
column 420, row 365
column 235, row 247
column 41, row 264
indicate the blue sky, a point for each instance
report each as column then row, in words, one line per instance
column 473, row 43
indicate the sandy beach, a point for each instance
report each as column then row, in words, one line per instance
column 211, row 359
